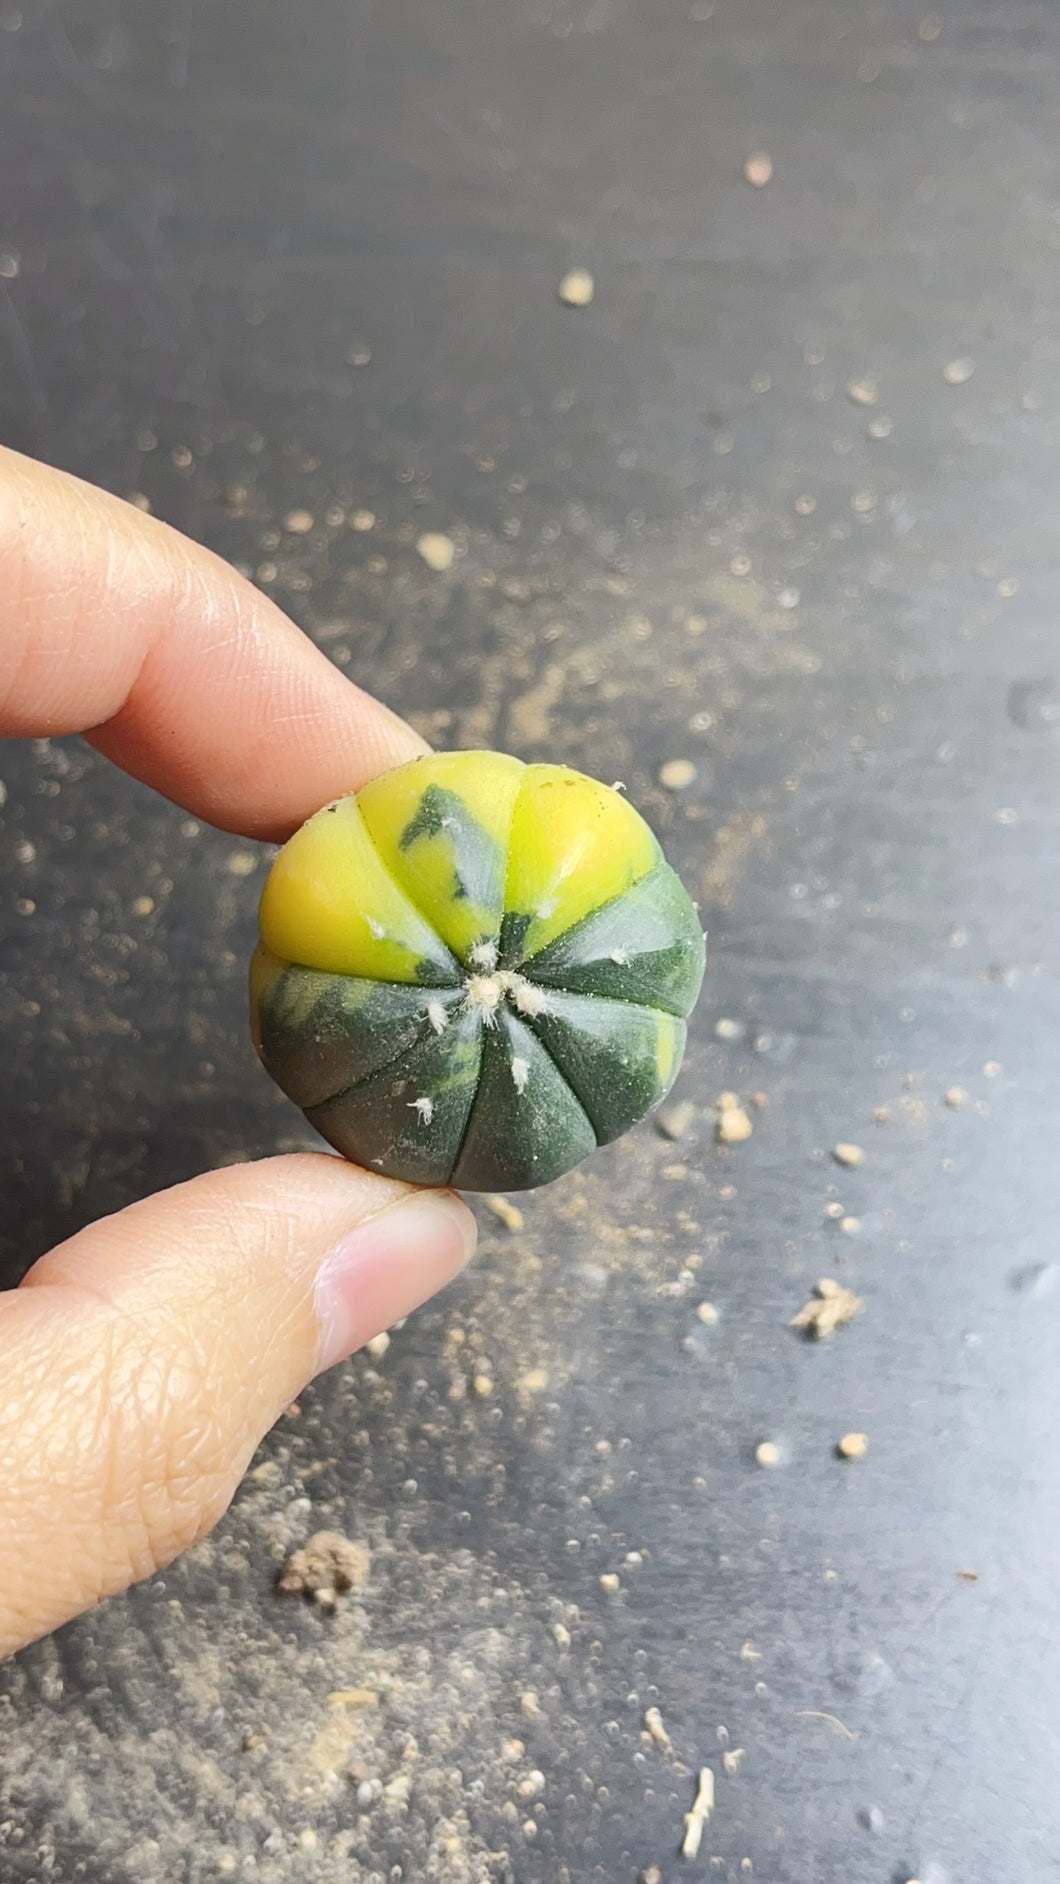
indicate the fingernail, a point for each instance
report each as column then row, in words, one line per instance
column 387, row 1267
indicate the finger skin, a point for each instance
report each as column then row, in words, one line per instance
column 143, row 1360
column 115, row 626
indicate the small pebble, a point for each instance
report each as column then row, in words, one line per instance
column 853, row 1446
column 362, row 520
column 653, row 1724
column 377, row 1346
column 881, row 426
column 767, row 1453
column 677, row 775
column 708, row 1314
column 299, row 522
column 652, row 1875
column 851, row 1155
column 436, row 550
column 143, row 905
column 483, row 1386
column 958, row 372
column 577, row 288
column 609, row 1582
column 674, row 1121
column 850, row 1225
column 728, row 1029
column 955, row 1097
column 241, row 863
column 758, row 169
column 863, row 392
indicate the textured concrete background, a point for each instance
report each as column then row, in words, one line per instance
column 782, row 502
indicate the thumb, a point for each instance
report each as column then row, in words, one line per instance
column 142, row 1361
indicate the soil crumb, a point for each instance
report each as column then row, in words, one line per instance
column 830, row 1307
column 325, row 1568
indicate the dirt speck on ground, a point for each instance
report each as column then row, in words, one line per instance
column 733, row 1125
column 507, row 1213
column 576, row 288
column 677, row 775
column 656, row 1730
column 955, row 1097
column 327, row 1567
column 830, row 1307
column 436, row 550
column 853, row 1446
column 758, row 169
column 848, row 1155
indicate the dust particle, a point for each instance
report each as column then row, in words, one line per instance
column 508, row 1214
column 677, row 775
column 436, row 550
column 881, row 1114
column 673, row 1122
column 707, row 1314
column 958, row 372
column 576, row 288
column 850, row 1155
column 325, row 1568
column 609, row 1582
column 968, row 1576
column 362, row 521
column 758, row 169
column 881, row 426
column 853, row 1446
column 830, row 1307
column 863, row 392
column 241, row 863
column 299, row 522
column 767, row 1453
column 955, row 1097
column 653, row 1726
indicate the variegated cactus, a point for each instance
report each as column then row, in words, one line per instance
column 474, row 971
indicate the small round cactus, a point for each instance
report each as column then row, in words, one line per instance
column 474, row 971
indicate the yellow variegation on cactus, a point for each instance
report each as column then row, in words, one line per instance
column 474, row 971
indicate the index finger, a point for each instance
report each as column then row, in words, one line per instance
column 115, row 626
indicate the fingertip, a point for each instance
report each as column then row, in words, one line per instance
column 385, row 1267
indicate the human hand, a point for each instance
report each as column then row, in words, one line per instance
column 142, row 1361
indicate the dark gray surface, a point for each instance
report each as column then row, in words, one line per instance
column 205, row 212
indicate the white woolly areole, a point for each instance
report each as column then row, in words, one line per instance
column 520, row 1074
column 376, row 928
column 528, row 997
column 486, row 993
column 423, row 1108
column 620, row 957
column 484, row 955
column 437, row 1016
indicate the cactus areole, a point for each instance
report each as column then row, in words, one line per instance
column 474, row 971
